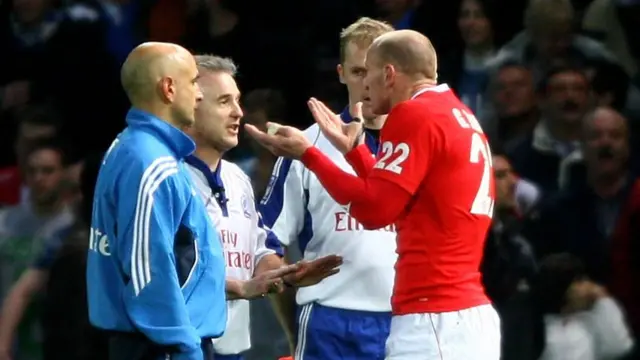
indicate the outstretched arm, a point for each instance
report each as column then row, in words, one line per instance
column 359, row 195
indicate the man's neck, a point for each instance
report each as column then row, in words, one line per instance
column 512, row 127
column 209, row 156
column 479, row 51
column 411, row 91
column 606, row 185
column 563, row 133
column 161, row 112
column 375, row 123
column 48, row 208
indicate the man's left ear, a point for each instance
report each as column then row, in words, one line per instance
column 389, row 73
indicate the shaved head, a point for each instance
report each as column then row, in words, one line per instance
column 408, row 51
column 147, row 64
column 162, row 77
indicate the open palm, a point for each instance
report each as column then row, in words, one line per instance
column 342, row 136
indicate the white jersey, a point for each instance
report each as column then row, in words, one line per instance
column 229, row 200
column 298, row 209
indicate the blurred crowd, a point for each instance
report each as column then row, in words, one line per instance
column 555, row 84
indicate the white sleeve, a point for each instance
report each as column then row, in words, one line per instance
column 610, row 332
column 283, row 205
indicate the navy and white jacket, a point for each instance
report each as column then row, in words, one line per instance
column 155, row 262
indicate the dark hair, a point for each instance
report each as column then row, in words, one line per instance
column 497, row 149
column 551, row 73
column 611, row 78
column 53, row 143
column 88, row 179
column 270, row 101
column 555, row 275
column 39, row 114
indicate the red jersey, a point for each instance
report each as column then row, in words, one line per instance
column 433, row 147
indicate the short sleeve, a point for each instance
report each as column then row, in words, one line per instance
column 408, row 145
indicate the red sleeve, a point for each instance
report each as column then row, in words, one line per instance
column 359, row 194
column 361, row 160
column 409, row 144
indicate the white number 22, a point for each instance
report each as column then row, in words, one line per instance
column 482, row 203
column 388, row 149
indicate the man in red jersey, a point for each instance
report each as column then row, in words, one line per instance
column 433, row 178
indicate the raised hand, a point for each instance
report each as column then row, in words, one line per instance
column 343, row 137
column 266, row 282
column 312, row 272
column 287, row 141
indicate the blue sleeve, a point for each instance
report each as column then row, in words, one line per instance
column 283, row 207
column 153, row 298
column 271, row 241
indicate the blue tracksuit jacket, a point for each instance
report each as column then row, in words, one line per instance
column 155, row 262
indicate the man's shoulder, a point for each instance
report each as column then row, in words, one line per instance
column 233, row 173
column 140, row 149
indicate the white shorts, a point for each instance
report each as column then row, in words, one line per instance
column 470, row 334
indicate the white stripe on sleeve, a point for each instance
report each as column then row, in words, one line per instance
column 152, row 177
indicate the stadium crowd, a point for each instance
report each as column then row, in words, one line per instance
column 554, row 83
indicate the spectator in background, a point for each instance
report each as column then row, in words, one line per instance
column 67, row 333
column 597, row 220
column 24, row 232
column 34, row 123
column 550, row 40
column 602, row 22
column 509, row 264
column 610, row 85
column 514, row 101
column 466, row 71
column 261, row 106
column 581, row 321
column 564, row 100
column 399, row 13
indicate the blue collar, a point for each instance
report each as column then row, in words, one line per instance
column 179, row 142
column 213, row 177
column 345, row 115
column 371, row 141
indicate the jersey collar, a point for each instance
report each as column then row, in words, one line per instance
column 371, row 140
column 179, row 142
column 214, row 180
column 438, row 88
column 213, row 177
column 345, row 115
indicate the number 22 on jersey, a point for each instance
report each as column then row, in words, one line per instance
column 482, row 202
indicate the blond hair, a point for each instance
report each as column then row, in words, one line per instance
column 548, row 13
column 362, row 33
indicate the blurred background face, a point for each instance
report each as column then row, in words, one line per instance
column 474, row 26
column 514, row 93
column 352, row 73
column 505, row 183
column 377, row 84
column 605, row 142
column 187, row 92
column 44, row 175
column 28, row 134
column 30, row 11
column 552, row 42
column 567, row 98
column 219, row 113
